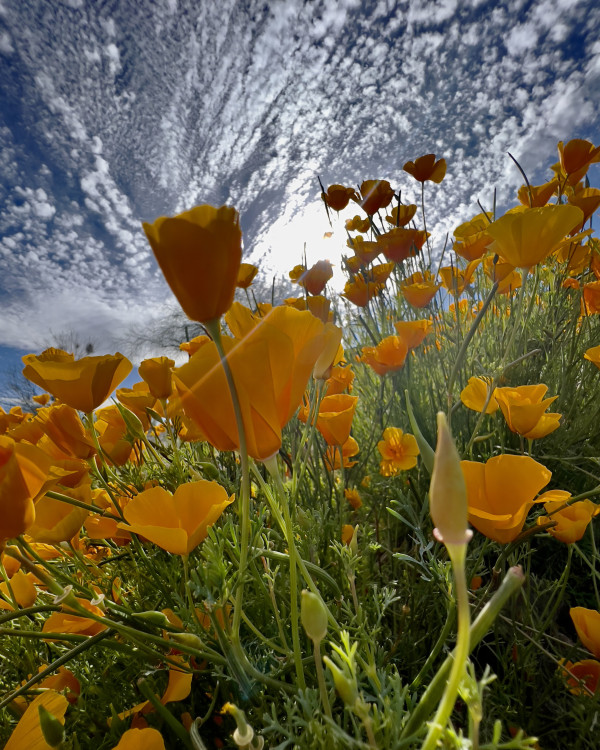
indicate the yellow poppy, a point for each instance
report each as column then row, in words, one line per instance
column 526, row 237
column 199, row 252
column 360, row 291
column 536, row 196
column 400, row 216
column 456, row 279
column 67, row 621
column 57, row 521
column 340, row 380
column 576, row 157
column 419, row 289
column 364, row 250
column 246, row 274
column 593, row 355
column 426, row 168
column 176, row 522
column 398, row 451
column 83, row 384
column 63, row 427
column 474, row 396
column 572, row 521
column 23, row 589
column 501, row 492
column 472, row 238
column 590, row 303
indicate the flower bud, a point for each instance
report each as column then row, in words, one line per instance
column 52, row 729
column 153, row 617
column 345, row 686
column 313, row 615
column 187, row 639
column 448, row 492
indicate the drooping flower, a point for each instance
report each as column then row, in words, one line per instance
column 375, row 194
column 271, row 366
column 587, row 625
column 475, row 393
column 389, row 355
column 176, row 522
column 523, row 408
column 398, row 451
column 199, row 252
column 419, row 289
column 157, row 374
column 500, row 493
column 246, row 274
column 83, row 384
column 426, row 168
column 526, row 237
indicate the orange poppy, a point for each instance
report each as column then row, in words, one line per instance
column 361, row 291
column 523, row 408
column 316, row 277
column 62, row 426
column 335, row 416
column 572, row 521
column 426, row 168
column 590, row 303
column 364, row 250
column 537, row 196
column 199, row 253
column 270, row 365
column 400, row 216
column 176, row 522
column 83, row 384
column 575, row 158
column 475, row 393
column 456, row 279
column 593, row 355
column 586, row 671
column 398, row 451
column 389, row 355
column 375, row 194
column 500, row 493
column 337, row 197
column 472, row 238
column 67, row 621
column 349, row 450
column 419, row 289
column 587, row 625
column 399, row 243
column 157, row 374
column 246, row 274
column 413, row 331
column 356, row 224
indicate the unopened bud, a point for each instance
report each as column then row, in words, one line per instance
column 51, row 727
column 154, row 618
column 187, row 639
column 345, row 686
column 313, row 616
column 448, row 492
column 132, row 422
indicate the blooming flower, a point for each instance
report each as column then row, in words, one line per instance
column 576, row 157
column 400, row 216
column 246, row 274
column 419, row 289
column 475, row 393
column 536, row 196
column 455, row 279
column 526, row 237
column 337, row 197
column 572, row 521
column 199, row 252
column 353, row 498
column 83, row 384
column 472, row 238
column 523, row 409
column 593, row 355
column 398, row 451
column 335, row 416
column 500, row 493
column 315, row 279
column 332, row 455
column 399, row 243
column 146, row 738
column 413, row 331
column 360, row 290
column 375, row 194
column 176, row 522
column 157, row 374
column 586, row 671
column 426, row 168
column 591, row 298
column 389, row 355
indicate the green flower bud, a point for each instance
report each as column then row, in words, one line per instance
column 51, row 727
column 133, row 423
column 448, row 492
column 313, row 615
column 153, row 617
column 187, row 639
column 346, row 686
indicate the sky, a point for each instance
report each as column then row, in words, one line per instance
column 113, row 113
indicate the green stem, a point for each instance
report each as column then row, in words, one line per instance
column 177, row 728
column 457, row 554
column 321, row 679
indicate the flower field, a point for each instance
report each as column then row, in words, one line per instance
column 363, row 520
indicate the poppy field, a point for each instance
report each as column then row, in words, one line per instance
column 363, row 520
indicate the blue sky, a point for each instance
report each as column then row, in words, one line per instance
column 115, row 113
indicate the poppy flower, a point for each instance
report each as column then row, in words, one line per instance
column 360, row 291
column 398, row 451
column 419, row 289
column 199, row 252
column 364, row 250
column 375, row 194
column 575, row 158
column 63, row 427
column 176, row 522
column 271, row 367
column 475, row 393
column 587, row 625
column 83, row 384
column 137, row 400
column 192, row 346
column 413, row 331
column 335, row 416
column 157, row 374
column 337, row 197
column 507, row 277
column 400, row 216
column 318, row 305
column 586, row 671
column 572, row 521
column 23, row 589
column 389, row 355
column 246, row 274
column 590, row 303
column 67, row 621
column 146, row 738
column 593, row 355
column 588, row 201
column 332, row 352
column 353, row 497
column 426, row 168
column 472, row 239
column 112, row 434
column 27, row 735
column 57, row 521
column 296, row 273
column 317, row 276
column 523, row 408
column 500, row 493
column 340, row 380
column 356, row 224
column 455, row 279
column 348, row 534
column 349, row 450
column 526, row 237
column 399, row 243
column 26, row 473
column 537, row 196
